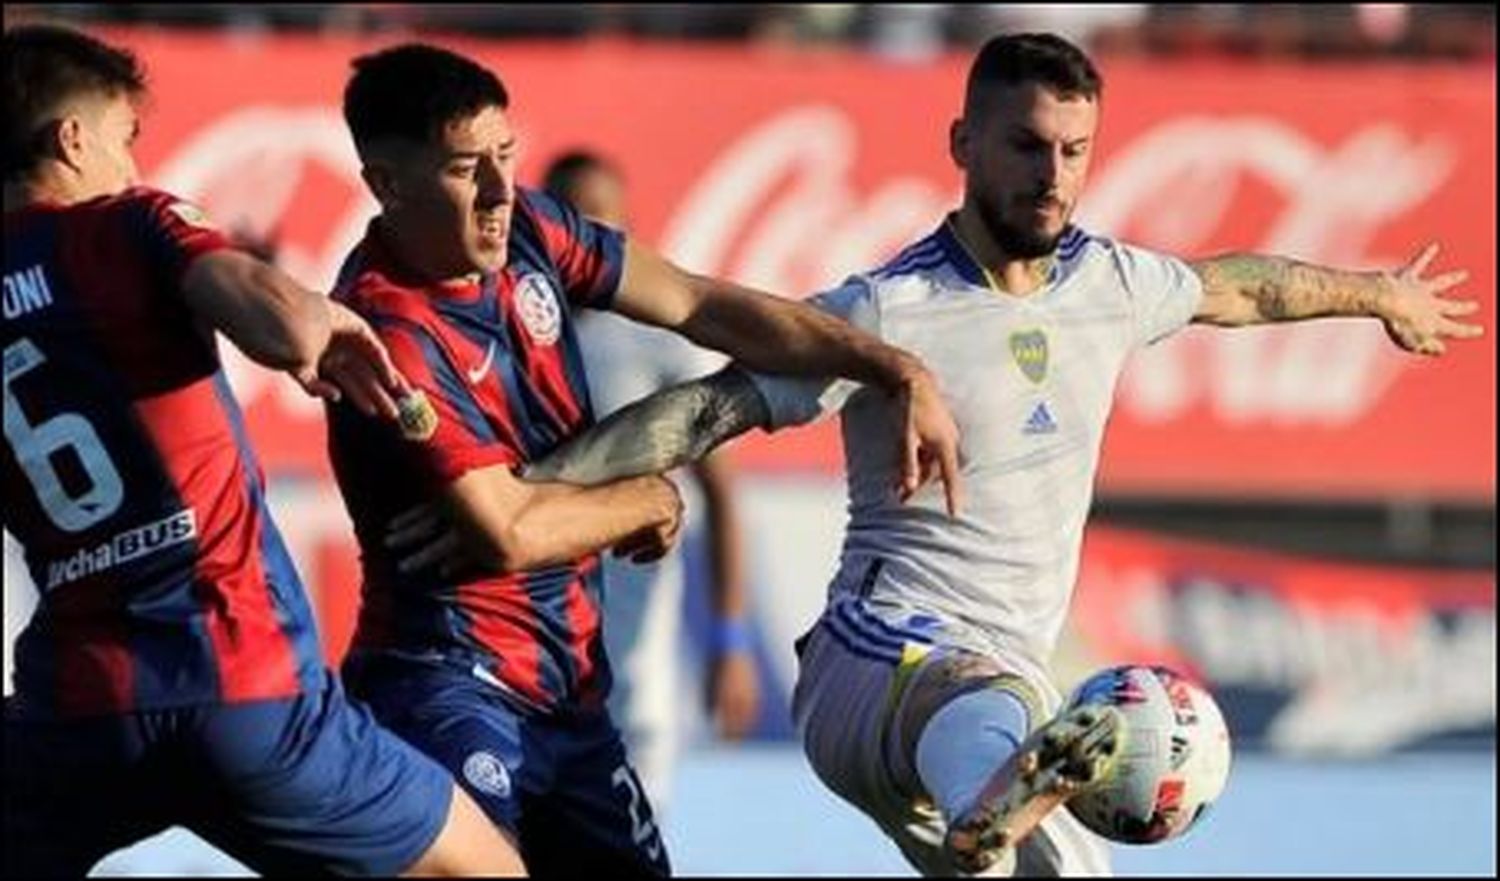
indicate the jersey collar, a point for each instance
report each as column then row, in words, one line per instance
column 975, row 273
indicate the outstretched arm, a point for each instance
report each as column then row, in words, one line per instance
column 657, row 433
column 779, row 336
column 1242, row 289
column 326, row 347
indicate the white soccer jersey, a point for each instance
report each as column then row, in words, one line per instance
column 1030, row 382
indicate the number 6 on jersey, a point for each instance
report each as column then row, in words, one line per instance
column 36, row 444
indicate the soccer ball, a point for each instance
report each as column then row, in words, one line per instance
column 1175, row 760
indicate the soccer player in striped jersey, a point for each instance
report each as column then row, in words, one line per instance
column 922, row 695
column 499, row 671
column 171, row 672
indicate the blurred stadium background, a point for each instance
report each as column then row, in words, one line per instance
column 1302, row 517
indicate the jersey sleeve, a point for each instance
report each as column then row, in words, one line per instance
column 798, row 400
column 174, row 231
column 590, row 257
column 460, row 438
column 1164, row 292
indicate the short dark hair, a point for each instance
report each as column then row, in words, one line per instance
column 45, row 67
column 1012, row 59
column 563, row 173
column 411, row 91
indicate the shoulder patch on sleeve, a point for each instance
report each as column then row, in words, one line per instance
column 419, row 419
column 191, row 215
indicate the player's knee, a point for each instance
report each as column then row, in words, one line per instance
column 945, row 678
column 469, row 844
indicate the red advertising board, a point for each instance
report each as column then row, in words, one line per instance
column 789, row 170
column 1303, row 655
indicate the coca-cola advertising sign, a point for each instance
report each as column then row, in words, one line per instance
column 790, row 170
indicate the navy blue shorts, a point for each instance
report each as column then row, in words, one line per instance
column 305, row 785
column 560, row 782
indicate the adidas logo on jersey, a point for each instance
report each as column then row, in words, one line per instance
column 1040, row 421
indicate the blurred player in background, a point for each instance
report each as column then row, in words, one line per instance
column 498, row 670
column 626, row 361
column 922, row 696
column 171, row 673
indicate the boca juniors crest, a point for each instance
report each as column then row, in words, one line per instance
column 1029, row 348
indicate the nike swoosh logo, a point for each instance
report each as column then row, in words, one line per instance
column 477, row 373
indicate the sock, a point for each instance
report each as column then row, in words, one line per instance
column 965, row 742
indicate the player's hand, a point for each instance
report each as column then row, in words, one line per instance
column 733, row 694
column 1416, row 318
column 424, row 540
column 930, row 444
column 651, row 543
column 356, row 364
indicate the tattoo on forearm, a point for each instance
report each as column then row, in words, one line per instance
column 1281, row 289
column 660, row 432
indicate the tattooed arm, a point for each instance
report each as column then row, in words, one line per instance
column 1241, row 289
column 659, row 432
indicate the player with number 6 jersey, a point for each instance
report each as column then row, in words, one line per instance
column 128, row 479
column 171, row 673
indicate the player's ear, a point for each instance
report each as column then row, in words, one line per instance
column 68, row 138
column 960, row 139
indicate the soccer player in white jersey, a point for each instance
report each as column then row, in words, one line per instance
column 922, row 696
column 624, row 362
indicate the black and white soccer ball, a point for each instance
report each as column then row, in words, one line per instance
column 1175, row 761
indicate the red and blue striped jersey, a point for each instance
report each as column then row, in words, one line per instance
column 128, row 479
column 497, row 358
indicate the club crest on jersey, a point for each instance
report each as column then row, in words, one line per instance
column 487, row 774
column 1029, row 348
column 418, row 418
column 537, row 303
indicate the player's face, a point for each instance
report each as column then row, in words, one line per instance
column 452, row 199
column 101, row 154
column 600, row 195
column 1025, row 153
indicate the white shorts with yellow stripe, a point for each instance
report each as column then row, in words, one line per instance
column 870, row 676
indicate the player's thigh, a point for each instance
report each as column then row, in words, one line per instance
column 464, row 726
column 470, row 844
column 313, row 784
column 841, row 708
column 942, row 675
column 596, row 818
column 74, row 792
column 460, row 724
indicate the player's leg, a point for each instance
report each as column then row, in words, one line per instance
column 74, row 792
column 913, row 733
column 841, row 705
column 463, row 725
column 314, row 785
column 1062, row 847
column 967, row 724
column 467, row 834
column 596, row 820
